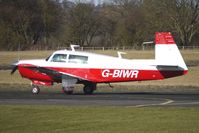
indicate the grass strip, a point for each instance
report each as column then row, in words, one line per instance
column 26, row 118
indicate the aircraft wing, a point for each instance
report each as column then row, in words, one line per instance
column 56, row 75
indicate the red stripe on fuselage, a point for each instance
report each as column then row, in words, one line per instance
column 118, row 75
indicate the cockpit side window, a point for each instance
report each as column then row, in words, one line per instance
column 59, row 58
column 78, row 59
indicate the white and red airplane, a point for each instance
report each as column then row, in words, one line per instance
column 73, row 67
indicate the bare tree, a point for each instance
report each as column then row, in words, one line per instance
column 179, row 16
column 184, row 18
column 83, row 24
column 28, row 21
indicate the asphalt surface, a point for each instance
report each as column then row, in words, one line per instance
column 129, row 99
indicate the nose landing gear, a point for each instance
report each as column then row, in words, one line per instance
column 35, row 89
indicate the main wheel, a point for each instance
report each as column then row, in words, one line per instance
column 89, row 88
column 35, row 90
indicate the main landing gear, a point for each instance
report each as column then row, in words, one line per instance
column 89, row 88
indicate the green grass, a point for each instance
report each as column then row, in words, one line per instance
column 8, row 57
column 57, row 119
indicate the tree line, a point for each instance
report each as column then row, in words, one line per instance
column 39, row 24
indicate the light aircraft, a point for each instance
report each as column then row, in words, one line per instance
column 75, row 67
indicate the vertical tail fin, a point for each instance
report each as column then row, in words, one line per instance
column 167, row 52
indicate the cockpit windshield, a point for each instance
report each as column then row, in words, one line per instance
column 71, row 58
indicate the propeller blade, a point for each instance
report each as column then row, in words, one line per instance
column 14, row 69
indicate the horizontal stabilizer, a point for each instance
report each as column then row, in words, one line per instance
column 167, row 67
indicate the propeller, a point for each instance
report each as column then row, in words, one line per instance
column 14, row 67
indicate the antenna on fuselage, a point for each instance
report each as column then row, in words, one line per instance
column 73, row 47
column 120, row 54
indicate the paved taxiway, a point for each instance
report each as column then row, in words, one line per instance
column 130, row 99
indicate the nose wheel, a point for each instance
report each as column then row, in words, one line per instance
column 35, row 89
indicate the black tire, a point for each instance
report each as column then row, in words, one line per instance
column 35, row 90
column 89, row 88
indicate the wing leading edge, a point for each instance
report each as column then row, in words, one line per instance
column 54, row 74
